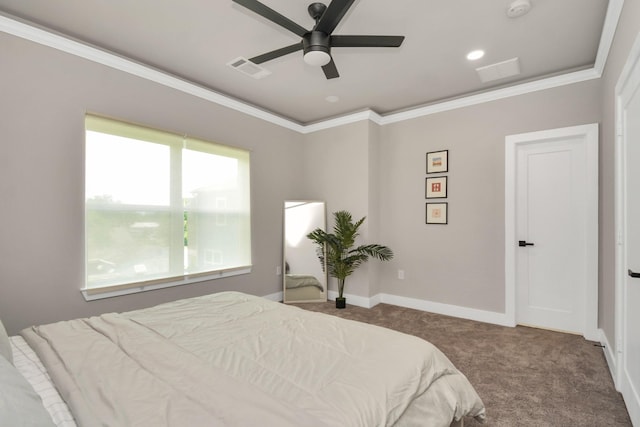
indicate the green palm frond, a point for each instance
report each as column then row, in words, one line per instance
column 337, row 249
column 380, row 252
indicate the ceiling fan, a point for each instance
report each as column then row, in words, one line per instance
column 317, row 42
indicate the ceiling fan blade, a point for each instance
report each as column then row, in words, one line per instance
column 330, row 70
column 332, row 16
column 272, row 16
column 366, row 41
column 276, row 53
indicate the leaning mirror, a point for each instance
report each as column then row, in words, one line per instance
column 305, row 279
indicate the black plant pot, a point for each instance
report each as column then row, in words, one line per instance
column 341, row 302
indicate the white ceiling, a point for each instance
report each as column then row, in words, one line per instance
column 195, row 39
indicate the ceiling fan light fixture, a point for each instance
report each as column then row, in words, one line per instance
column 315, row 46
column 317, row 58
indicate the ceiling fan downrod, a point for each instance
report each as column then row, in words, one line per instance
column 316, row 10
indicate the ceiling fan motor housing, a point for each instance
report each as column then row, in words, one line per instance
column 315, row 41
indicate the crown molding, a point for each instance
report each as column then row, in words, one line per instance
column 46, row 37
column 494, row 95
column 344, row 120
column 614, row 10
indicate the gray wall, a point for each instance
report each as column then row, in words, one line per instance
column 626, row 33
column 462, row 263
column 379, row 171
column 373, row 224
column 44, row 95
column 337, row 170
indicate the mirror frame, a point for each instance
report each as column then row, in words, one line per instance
column 323, row 279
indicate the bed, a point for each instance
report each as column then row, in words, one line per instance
column 303, row 287
column 231, row 359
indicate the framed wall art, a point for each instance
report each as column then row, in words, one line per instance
column 438, row 161
column 437, row 213
column 435, row 187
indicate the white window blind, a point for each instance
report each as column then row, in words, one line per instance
column 161, row 207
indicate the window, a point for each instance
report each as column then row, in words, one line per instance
column 161, row 209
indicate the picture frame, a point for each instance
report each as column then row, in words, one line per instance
column 435, row 187
column 437, row 213
column 438, row 161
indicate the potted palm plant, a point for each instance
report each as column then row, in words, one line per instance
column 339, row 252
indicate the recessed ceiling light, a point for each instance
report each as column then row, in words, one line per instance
column 476, row 54
column 332, row 98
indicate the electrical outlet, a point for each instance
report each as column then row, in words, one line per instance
column 401, row 274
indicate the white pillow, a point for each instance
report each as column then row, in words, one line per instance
column 29, row 365
column 19, row 403
column 5, row 346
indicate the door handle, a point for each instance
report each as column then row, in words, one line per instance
column 524, row 243
column 633, row 274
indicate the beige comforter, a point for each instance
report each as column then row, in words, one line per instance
column 231, row 359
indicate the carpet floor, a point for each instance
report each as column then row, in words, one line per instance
column 525, row 376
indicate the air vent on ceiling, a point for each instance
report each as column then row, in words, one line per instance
column 249, row 68
column 500, row 70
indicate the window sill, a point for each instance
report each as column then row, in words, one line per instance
column 91, row 294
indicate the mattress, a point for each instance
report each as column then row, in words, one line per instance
column 232, row 359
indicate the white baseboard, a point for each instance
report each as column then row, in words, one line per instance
column 449, row 310
column 332, row 295
column 610, row 356
column 453, row 311
column 356, row 299
column 432, row 307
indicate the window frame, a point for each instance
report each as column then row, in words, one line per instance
column 96, row 123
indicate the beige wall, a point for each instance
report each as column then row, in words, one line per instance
column 44, row 96
column 379, row 171
column 462, row 263
column 337, row 170
column 374, row 227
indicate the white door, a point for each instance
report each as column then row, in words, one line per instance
column 629, row 115
column 554, row 238
column 631, row 336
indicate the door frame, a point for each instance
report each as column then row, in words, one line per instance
column 589, row 135
column 629, row 80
